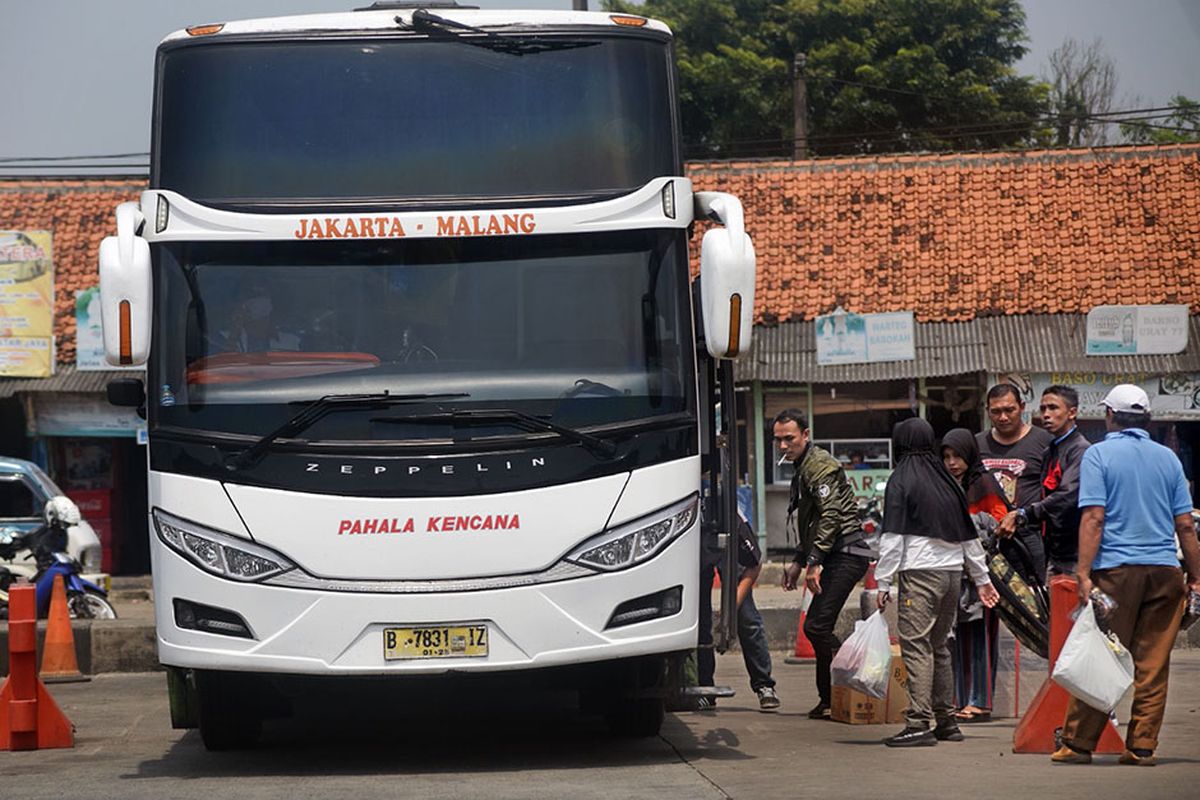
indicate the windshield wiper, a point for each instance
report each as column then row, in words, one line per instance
column 513, row 417
column 429, row 23
column 318, row 409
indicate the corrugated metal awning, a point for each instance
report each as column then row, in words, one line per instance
column 66, row 379
column 787, row 353
column 1057, row 343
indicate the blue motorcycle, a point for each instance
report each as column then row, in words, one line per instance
column 47, row 547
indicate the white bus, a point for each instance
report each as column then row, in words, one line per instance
column 411, row 285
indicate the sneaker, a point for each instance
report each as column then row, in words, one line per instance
column 819, row 711
column 1068, row 755
column 948, row 731
column 912, row 737
column 1133, row 757
column 767, row 699
column 706, row 703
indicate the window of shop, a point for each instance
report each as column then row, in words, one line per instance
column 852, row 421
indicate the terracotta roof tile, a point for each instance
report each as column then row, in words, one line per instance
column 952, row 237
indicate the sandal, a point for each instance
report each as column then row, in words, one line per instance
column 976, row 715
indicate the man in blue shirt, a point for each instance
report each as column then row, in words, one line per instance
column 1135, row 504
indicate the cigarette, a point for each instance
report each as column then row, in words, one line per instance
column 782, row 460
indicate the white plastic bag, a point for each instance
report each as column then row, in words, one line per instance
column 864, row 662
column 1094, row 667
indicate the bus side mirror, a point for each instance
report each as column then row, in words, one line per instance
column 125, row 290
column 726, row 276
column 127, row 392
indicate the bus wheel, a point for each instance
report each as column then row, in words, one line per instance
column 635, row 717
column 228, row 717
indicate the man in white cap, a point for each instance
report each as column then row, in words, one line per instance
column 1135, row 503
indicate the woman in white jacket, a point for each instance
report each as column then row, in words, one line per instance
column 928, row 537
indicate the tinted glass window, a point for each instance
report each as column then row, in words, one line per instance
column 413, row 119
column 586, row 330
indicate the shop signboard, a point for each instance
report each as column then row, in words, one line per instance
column 68, row 414
column 1137, row 330
column 844, row 338
column 1174, row 397
column 89, row 335
column 26, row 304
column 868, row 483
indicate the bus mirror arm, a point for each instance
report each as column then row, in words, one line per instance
column 727, row 268
column 125, row 290
column 726, row 210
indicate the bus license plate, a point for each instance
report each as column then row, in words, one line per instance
column 458, row 641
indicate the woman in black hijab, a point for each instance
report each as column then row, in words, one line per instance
column 960, row 454
column 974, row 653
column 928, row 536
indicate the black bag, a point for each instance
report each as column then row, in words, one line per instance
column 1024, row 606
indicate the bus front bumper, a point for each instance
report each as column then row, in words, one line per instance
column 322, row 632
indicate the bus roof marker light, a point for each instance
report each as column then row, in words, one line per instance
column 631, row 21
column 162, row 214
column 668, row 200
column 205, row 30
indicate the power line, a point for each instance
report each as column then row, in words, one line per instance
column 10, row 159
column 7, row 167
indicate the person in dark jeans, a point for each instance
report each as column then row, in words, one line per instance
column 752, row 634
column 832, row 549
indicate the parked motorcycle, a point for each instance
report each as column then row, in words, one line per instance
column 46, row 547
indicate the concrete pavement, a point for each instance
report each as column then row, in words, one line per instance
column 376, row 743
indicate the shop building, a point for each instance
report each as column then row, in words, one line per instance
column 999, row 258
column 53, row 409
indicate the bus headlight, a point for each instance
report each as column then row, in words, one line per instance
column 219, row 553
column 636, row 541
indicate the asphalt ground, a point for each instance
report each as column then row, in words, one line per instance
column 371, row 741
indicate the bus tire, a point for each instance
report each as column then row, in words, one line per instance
column 636, row 717
column 228, row 720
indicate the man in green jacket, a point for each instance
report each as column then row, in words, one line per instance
column 831, row 542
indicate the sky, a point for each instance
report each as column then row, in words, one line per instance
column 79, row 72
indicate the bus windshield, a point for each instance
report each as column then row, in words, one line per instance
column 583, row 330
column 412, row 120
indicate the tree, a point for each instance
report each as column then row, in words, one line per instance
column 1181, row 125
column 1083, row 85
column 882, row 75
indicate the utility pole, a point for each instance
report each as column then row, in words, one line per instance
column 800, row 107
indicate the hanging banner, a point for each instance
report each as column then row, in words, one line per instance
column 1137, row 330
column 844, row 338
column 26, row 304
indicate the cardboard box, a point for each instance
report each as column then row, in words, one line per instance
column 856, row 708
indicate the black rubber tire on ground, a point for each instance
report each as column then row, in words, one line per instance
column 90, row 605
column 636, row 717
column 227, row 719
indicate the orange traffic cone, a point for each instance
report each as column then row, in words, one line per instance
column 1038, row 730
column 29, row 717
column 59, row 664
column 804, row 650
